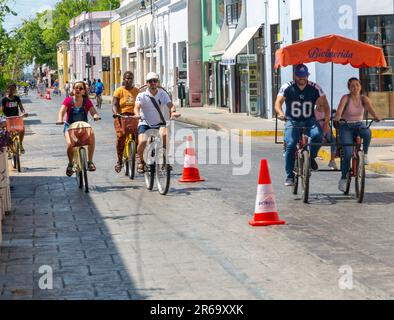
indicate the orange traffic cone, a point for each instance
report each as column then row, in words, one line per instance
column 266, row 213
column 48, row 97
column 190, row 168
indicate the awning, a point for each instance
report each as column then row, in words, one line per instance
column 221, row 43
column 230, row 56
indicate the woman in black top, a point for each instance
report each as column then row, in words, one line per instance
column 10, row 106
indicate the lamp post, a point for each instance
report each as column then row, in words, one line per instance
column 152, row 12
column 111, row 79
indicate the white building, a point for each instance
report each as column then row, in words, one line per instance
column 85, row 45
column 266, row 25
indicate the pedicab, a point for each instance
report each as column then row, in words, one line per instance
column 334, row 49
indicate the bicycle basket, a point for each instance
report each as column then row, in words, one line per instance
column 81, row 136
column 129, row 125
column 15, row 124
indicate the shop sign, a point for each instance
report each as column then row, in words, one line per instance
column 247, row 58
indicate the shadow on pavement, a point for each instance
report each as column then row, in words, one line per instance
column 55, row 224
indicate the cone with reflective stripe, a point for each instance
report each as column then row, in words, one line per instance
column 265, row 213
column 190, row 168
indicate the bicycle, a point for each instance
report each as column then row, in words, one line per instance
column 80, row 133
column 157, row 166
column 129, row 126
column 357, row 165
column 14, row 126
column 99, row 100
column 302, row 164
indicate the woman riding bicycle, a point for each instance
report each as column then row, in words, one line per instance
column 10, row 106
column 76, row 108
column 123, row 103
column 352, row 108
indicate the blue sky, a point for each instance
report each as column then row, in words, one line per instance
column 25, row 9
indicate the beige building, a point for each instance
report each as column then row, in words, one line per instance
column 62, row 63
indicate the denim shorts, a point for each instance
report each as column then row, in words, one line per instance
column 143, row 128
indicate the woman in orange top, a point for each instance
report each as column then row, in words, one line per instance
column 123, row 103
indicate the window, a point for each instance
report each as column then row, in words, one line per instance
column 378, row 83
column 233, row 13
column 208, row 16
column 296, row 27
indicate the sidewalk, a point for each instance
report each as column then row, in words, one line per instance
column 381, row 155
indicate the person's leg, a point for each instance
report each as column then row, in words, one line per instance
column 365, row 134
column 346, row 138
column 120, row 140
column 70, row 149
column 316, row 135
column 142, row 139
column 291, row 139
column 91, row 148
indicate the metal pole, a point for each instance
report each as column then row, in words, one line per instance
column 332, row 93
column 111, row 80
column 151, row 36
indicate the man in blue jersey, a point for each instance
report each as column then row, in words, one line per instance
column 301, row 96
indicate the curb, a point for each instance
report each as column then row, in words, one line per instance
column 377, row 167
column 376, row 133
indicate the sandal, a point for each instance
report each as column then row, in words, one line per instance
column 118, row 167
column 70, row 170
column 91, row 166
column 141, row 168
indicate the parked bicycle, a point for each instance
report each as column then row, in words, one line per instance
column 15, row 125
column 129, row 126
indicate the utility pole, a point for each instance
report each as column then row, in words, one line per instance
column 111, row 75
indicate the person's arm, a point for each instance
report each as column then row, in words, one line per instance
column 115, row 105
column 20, row 105
column 93, row 111
column 341, row 106
column 62, row 112
column 370, row 108
column 322, row 101
column 278, row 107
column 137, row 109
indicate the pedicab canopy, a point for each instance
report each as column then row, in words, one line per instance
column 332, row 48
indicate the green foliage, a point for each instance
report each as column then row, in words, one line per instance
column 36, row 39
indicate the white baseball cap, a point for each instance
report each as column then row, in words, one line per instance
column 151, row 76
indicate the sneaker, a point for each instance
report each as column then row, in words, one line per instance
column 366, row 160
column 289, row 182
column 314, row 165
column 342, row 185
column 333, row 165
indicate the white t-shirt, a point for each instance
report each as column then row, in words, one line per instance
column 149, row 114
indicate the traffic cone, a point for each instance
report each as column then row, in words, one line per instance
column 190, row 168
column 48, row 97
column 266, row 213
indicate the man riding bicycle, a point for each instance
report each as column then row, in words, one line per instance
column 123, row 103
column 154, row 106
column 301, row 96
column 99, row 88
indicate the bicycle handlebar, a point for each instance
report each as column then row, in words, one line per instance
column 124, row 116
column 369, row 125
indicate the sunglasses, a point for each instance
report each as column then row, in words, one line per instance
column 153, row 81
column 79, row 88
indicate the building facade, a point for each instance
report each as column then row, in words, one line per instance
column 85, row 45
column 246, row 80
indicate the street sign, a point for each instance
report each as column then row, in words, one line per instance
column 247, row 58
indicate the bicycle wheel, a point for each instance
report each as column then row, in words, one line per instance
column 296, row 173
column 149, row 176
column 16, row 157
column 360, row 177
column 131, row 162
column 84, row 168
column 163, row 172
column 306, row 173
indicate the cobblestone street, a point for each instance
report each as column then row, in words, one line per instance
column 121, row 241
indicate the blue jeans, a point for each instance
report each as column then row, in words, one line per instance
column 346, row 136
column 292, row 136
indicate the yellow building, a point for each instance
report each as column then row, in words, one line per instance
column 62, row 63
column 111, row 52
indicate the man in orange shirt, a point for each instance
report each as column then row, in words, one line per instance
column 123, row 103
